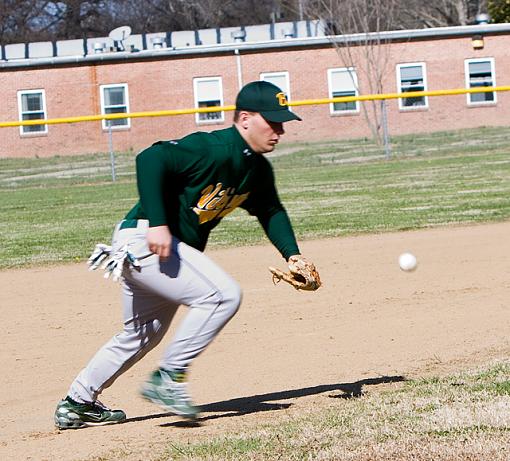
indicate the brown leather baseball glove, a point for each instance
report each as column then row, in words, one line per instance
column 302, row 274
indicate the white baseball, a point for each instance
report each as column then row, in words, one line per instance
column 407, row 262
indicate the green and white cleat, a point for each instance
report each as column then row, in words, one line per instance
column 168, row 389
column 73, row 415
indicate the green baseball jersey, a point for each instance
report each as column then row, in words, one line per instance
column 190, row 184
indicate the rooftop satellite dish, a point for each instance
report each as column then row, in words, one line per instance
column 120, row 34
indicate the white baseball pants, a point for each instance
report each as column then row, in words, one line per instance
column 151, row 295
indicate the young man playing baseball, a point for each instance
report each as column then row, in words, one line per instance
column 186, row 187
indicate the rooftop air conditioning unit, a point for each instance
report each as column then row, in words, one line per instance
column 482, row 18
column 288, row 32
column 157, row 42
column 99, row 47
column 239, row 35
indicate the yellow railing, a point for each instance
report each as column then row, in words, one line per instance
column 306, row 102
column 410, row 94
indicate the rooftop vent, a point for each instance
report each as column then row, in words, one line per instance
column 99, row 47
column 288, row 32
column 157, row 42
column 482, row 18
column 239, row 35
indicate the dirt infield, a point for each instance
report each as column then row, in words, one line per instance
column 283, row 350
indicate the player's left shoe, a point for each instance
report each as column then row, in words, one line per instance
column 168, row 389
column 73, row 415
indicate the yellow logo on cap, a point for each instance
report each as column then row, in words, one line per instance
column 282, row 99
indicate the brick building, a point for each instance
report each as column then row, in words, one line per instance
column 205, row 68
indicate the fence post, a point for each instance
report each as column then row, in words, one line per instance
column 110, row 146
column 386, row 136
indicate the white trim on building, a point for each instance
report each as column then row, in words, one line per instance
column 32, row 106
column 480, row 72
column 343, row 81
column 412, row 77
column 208, row 92
column 115, row 99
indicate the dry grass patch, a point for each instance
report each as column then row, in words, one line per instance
column 463, row 417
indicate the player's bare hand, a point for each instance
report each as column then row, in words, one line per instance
column 159, row 241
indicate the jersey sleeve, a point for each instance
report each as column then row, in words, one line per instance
column 265, row 204
column 152, row 165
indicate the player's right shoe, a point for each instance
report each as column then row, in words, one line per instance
column 168, row 389
column 73, row 415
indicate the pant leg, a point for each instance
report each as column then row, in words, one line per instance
column 146, row 319
column 144, row 328
column 191, row 278
column 151, row 295
column 213, row 299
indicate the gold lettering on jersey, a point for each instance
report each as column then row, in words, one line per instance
column 208, row 194
column 282, row 99
column 217, row 202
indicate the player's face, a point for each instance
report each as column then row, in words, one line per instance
column 261, row 134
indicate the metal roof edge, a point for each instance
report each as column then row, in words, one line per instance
column 255, row 46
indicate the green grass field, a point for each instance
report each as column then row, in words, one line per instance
column 56, row 209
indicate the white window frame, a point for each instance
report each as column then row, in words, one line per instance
column 199, row 117
column 104, row 123
column 470, row 102
column 22, row 128
column 354, row 79
column 423, row 66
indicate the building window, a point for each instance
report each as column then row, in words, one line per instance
column 343, row 82
column 208, row 93
column 412, row 77
column 480, row 73
column 115, row 100
column 32, row 106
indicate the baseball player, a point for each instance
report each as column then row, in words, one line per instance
column 185, row 187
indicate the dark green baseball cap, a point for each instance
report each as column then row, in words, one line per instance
column 266, row 99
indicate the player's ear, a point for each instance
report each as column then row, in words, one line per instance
column 244, row 118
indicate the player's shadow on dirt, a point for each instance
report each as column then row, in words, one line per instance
column 273, row 401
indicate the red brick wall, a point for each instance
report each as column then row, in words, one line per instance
column 168, row 84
